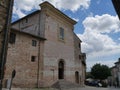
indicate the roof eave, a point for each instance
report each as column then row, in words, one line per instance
column 33, row 13
column 36, row 36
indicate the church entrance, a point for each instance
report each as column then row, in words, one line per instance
column 61, row 70
column 77, row 77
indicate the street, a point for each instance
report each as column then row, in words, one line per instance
column 99, row 88
column 84, row 88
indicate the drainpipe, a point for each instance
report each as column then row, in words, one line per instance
column 38, row 72
column 38, row 64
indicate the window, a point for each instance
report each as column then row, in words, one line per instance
column 12, row 38
column 34, row 43
column 26, row 20
column 61, row 33
column 79, row 45
column 33, row 58
column 79, row 56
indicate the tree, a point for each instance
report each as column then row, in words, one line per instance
column 100, row 71
column 89, row 75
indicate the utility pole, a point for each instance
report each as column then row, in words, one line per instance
column 5, row 20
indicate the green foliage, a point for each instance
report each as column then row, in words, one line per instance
column 104, row 84
column 100, row 71
column 89, row 75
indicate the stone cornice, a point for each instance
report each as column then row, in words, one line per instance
column 47, row 5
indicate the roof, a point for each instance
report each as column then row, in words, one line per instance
column 48, row 5
column 36, row 36
column 77, row 36
column 118, row 62
column 113, row 67
column 55, row 10
column 31, row 14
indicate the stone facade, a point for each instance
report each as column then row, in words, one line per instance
column 19, row 58
column 4, row 17
column 5, row 20
column 117, row 64
column 114, row 79
column 57, row 57
column 80, row 62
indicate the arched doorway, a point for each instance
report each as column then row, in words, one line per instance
column 61, row 70
column 77, row 77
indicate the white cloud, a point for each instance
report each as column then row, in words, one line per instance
column 72, row 5
column 104, row 24
column 18, row 12
column 28, row 5
column 96, row 40
column 76, row 19
column 94, row 37
column 24, row 5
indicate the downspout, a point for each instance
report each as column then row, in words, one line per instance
column 38, row 53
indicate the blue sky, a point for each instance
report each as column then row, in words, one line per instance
column 98, row 26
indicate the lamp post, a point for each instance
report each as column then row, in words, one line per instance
column 5, row 20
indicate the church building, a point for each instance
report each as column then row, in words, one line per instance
column 44, row 49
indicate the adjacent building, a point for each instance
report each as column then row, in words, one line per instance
column 44, row 49
column 117, row 64
column 5, row 20
column 114, row 79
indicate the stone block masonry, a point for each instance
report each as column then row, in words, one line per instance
column 5, row 20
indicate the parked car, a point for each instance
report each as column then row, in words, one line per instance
column 94, row 83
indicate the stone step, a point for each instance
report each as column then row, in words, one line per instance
column 62, row 84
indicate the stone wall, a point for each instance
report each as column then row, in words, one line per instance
column 5, row 20
column 4, row 17
column 78, row 60
column 29, row 24
column 56, row 50
column 45, row 23
column 19, row 58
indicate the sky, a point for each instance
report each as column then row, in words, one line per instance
column 97, row 26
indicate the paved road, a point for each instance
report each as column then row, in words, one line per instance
column 85, row 88
column 98, row 88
